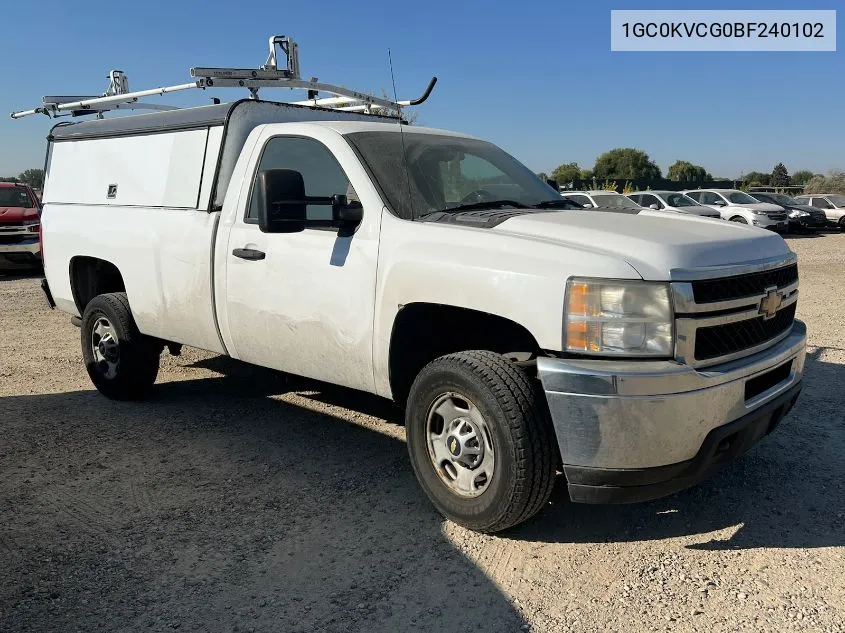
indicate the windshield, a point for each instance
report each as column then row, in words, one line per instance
column 839, row 201
column 737, row 197
column 442, row 172
column 779, row 198
column 615, row 201
column 678, row 200
column 14, row 197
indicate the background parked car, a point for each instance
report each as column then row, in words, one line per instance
column 19, row 227
column 601, row 199
column 801, row 216
column 672, row 201
column 833, row 205
column 738, row 206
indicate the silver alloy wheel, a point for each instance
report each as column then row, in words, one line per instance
column 106, row 348
column 460, row 445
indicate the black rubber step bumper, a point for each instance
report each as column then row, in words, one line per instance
column 719, row 449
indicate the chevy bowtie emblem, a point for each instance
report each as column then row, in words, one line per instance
column 770, row 303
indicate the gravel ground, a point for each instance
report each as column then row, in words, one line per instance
column 239, row 500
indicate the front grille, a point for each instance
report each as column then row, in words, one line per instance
column 748, row 285
column 777, row 217
column 12, row 239
column 722, row 340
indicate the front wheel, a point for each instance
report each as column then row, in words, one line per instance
column 740, row 219
column 122, row 362
column 480, row 440
column 842, row 223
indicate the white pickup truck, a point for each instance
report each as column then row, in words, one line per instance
column 633, row 352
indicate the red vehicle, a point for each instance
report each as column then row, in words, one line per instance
column 20, row 223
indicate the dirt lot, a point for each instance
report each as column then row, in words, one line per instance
column 239, row 500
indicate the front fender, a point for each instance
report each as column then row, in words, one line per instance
column 514, row 277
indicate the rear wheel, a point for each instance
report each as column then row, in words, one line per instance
column 480, row 440
column 121, row 362
column 842, row 223
column 740, row 219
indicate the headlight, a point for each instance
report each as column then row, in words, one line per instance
column 797, row 213
column 758, row 212
column 618, row 318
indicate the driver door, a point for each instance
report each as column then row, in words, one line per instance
column 303, row 302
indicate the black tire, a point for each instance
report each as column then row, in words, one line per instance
column 138, row 360
column 526, row 453
column 739, row 219
column 842, row 223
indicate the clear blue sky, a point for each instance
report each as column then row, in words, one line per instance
column 537, row 78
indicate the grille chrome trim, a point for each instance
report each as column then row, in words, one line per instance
column 691, row 315
column 685, row 329
column 730, row 270
column 684, row 301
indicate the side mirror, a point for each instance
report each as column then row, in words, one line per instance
column 281, row 201
column 588, row 206
column 346, row 214
column 654, row 206
column 282, row 204
column 720, row 203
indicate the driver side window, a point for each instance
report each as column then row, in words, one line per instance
column 320, row 170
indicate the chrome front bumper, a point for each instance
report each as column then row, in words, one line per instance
column 641, row 415
column 24, row 254
column 30, row 246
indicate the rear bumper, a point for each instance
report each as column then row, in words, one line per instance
column 625, row 425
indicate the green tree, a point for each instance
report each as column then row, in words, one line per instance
column 8, row 179
column 625, row 163
column 684, row 170
column 756, row 178
column 542, row 176
column 834, row 182
column 801, row 177
column 566, row 173
column 780, row 176
column 586, row 174
column 33, row 177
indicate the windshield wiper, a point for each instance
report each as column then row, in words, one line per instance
column 490, row 204
column 563, row 203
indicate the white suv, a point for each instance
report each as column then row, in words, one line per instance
column 833, row 205
column 601, row 199
column 738, row 206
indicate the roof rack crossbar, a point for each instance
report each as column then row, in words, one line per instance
column 270, row 75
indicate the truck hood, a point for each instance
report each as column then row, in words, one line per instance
column 654, row 243
column 16, row 215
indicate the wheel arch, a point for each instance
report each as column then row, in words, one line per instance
column 92, row 276
column 424, row 331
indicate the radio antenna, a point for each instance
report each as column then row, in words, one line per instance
column 401, row 136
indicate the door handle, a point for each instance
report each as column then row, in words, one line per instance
column 248, row 253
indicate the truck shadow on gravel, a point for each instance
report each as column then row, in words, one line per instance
column 214, row 506
column 787, row 492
